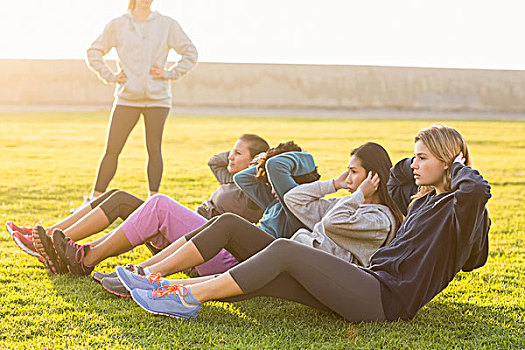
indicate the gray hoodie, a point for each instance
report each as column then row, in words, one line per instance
column 344, row 227
column 139, row 46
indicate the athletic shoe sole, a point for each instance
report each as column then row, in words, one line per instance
column 51, row 259
column 40, row 248
column 98, row 276
column 96, row 279
column 9, row 229
column 180, row 317
column 12, row 229
column 115, row 293
column 24, row 248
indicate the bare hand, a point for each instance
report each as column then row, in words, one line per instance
column 157, row 72
column 340, row 181
column 369, row 185
column 121, row 77
column 275, row 194
column 460, row 158
column 255, row 159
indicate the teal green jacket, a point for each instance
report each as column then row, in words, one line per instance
column 277, row 219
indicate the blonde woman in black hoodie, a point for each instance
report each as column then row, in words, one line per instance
column 445, row 231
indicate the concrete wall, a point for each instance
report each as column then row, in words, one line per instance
column 70, row 82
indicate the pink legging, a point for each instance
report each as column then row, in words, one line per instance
column 161, row 221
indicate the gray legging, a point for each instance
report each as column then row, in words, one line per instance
column 286, row 269
column 123, row 120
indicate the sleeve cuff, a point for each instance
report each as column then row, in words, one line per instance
column 111, row 79
column 171, row 74
column 359, row 196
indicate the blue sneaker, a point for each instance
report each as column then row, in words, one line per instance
column 132, row 281
column 167, row 301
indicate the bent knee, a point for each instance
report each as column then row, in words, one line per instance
column 160, row 199
column 227, row 218
column 285, row 245
column 281, row 251
column 281, row 243
column 160, row 196
column 122, row 195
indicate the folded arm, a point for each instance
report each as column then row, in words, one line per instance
column 306, row 201
column 258, row 191
column 181, row 43
column 401, row 185
column 100, row 47
column 219, row 167
column 348, row 219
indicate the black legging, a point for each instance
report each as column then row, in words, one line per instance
column 231, row 232
column 290, row 270
column 123, row 120
column 116, row 204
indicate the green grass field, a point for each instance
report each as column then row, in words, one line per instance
column 49, row 162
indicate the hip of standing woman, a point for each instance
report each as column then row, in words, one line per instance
column 142, row 39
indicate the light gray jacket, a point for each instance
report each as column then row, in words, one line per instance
column 139, row 46
column 344, row 227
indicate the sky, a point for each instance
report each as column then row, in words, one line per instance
column 419, row 33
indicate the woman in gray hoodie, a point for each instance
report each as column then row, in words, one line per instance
column 350, row 227
column 142, row 39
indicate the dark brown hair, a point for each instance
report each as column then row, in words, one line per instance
column 375, row 158
column 289, row 146
column 256, row 144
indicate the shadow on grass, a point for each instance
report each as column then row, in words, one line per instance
column 267, row 321
column 122, row 322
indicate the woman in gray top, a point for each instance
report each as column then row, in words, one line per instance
column 368, row 217
column 142, row 39
column 351, row 227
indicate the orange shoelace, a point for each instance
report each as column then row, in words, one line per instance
column 154, row 277
column 170, row 291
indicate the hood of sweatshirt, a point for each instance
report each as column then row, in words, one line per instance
column 152, row 16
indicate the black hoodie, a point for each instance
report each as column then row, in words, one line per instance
column 440, row 235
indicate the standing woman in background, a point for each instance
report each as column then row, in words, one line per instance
column 142, row 39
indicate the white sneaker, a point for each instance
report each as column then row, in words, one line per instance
column 87, row 200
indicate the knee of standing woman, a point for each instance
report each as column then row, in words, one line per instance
column 112, row 153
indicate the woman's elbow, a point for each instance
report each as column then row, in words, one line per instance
column 290, row 200
column 328, row 225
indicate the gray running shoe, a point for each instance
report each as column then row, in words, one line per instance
column 99, row 276
column 114, row 286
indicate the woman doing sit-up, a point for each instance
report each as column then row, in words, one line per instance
column 445, row 231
